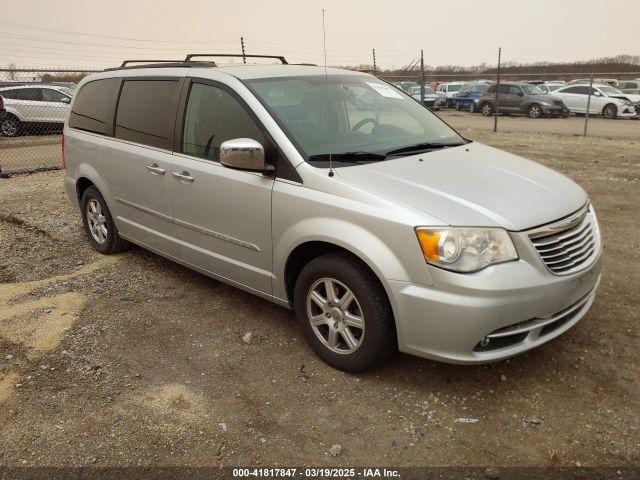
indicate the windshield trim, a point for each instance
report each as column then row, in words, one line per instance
column 305, row 156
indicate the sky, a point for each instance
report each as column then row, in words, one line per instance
column 91, row 33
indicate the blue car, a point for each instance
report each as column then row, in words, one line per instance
column 469, row 92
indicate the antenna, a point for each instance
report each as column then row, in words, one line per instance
column 326, row 84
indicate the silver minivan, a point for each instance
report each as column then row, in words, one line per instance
column 333, row 193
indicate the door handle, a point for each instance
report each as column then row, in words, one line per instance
column 184, row 177
column 155, row 169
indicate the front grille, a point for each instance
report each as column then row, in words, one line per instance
column 568, row 245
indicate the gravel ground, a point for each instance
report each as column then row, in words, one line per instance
column 132, row 360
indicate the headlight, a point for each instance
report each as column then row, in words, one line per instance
column 465, row 249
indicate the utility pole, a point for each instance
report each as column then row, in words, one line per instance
column 375, row 67
column 244, row 59
column 495, row 118
column 422, row 76
column 586, row 115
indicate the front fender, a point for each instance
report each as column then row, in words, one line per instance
column 363, row 243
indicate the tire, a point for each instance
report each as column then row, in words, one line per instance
column 487, row 109
column 534, row 111
column 11, row 126
column 97, row 219
column 370, row 345
column 610, row 111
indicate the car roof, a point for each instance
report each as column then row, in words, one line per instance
column 240, row 71
column 32, row 85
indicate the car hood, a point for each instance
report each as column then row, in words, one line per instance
column 472, row 185
column 629, row 96
column 547, row 97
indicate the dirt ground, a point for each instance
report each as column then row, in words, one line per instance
column 133, row 360
column 574, row 125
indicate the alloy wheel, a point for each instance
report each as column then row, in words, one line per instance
column 9, row 127
column 534, row 111
column 97, row 221
column 335, row 316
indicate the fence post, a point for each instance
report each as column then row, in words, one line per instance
column 375, row 67
column 244, row 59
column 422, row 76
column 495, row 113
column 586, row 115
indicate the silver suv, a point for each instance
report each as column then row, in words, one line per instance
column 337, row 195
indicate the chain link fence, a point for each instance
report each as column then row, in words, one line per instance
column 35, row 104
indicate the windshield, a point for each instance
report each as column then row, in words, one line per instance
column 342, row 114
column 474, row 87
column 610, row 90
column 532, row 90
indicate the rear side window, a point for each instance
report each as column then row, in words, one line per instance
column 146, row 112
column 578, row 90
column 93, row 106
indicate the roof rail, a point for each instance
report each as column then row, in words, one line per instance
column 277, row 57
column 124, row 64
column 161, row 63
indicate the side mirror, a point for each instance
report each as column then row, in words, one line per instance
column 66, row 100
column 596, row 93
column 243, row 154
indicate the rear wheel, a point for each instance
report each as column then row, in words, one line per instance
column 610, row 111
column 486, row 108
column 99, row 225
column 344, row 313
column 11, row 126
column 534, row 111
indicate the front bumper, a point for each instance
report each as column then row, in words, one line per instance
column 555, row 111
column 448, row 320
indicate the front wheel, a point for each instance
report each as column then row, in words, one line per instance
column 534, row 111
column 610, row 111
column 344, row 313
column 99, row 225
column 487, row 109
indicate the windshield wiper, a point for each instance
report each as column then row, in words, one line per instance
column 419, row 147
column 358, row 156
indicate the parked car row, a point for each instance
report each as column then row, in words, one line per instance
column 28, row 105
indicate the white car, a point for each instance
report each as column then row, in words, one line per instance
column 551, row 86
column 33, row 104
column 606, row 100
column 447, row 92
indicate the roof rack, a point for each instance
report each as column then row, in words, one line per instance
column 161, row 63
column 277, row 57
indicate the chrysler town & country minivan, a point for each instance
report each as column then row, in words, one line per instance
column 333, row 193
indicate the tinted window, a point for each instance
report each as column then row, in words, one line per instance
column 9, row 94
column 514, row 90
column 29, row 94
column 50, row 95
column 214, row 116
column 503, row 89
column 578, row 90
column 93, row 106
column 147, row 111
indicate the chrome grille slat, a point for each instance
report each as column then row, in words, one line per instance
column 571, row 254
column 585, row 231
column 558, row 238
column 569, row 249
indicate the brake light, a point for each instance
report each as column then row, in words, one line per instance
column 64, row 162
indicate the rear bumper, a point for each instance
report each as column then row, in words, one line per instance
column 448, row 320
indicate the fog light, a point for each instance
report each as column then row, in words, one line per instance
column 484, row 342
